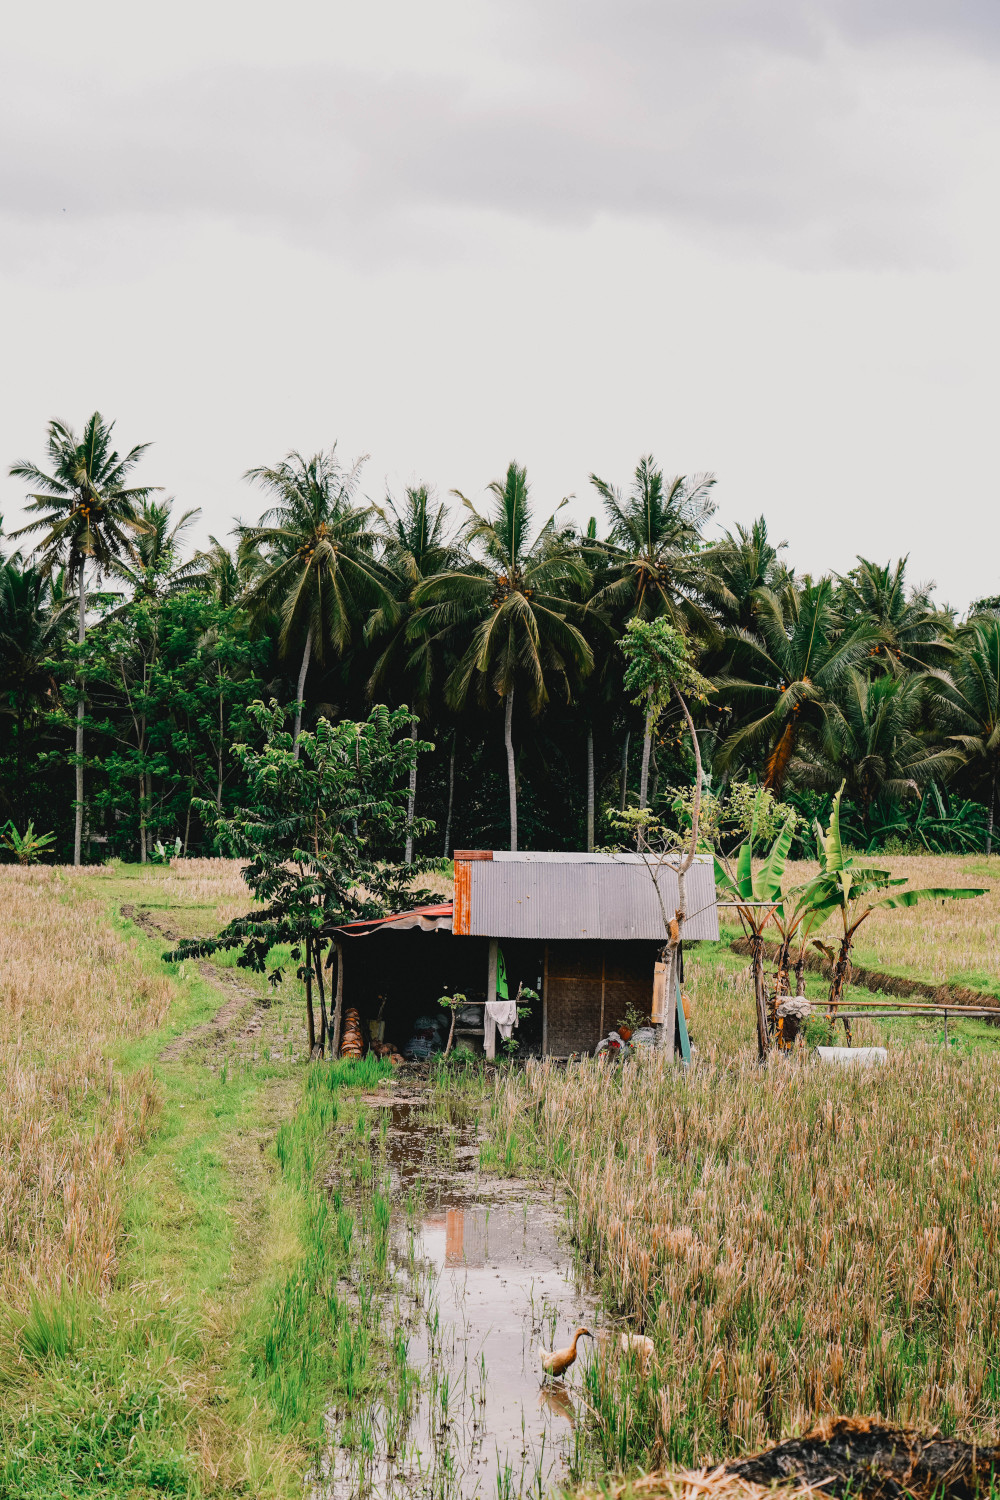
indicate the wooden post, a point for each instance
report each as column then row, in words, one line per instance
column 670, row 992
column 338, row 1005
column 545, row 1002
column 659, row 991
column 489, row 1025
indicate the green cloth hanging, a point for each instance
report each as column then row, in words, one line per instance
column 502, row 991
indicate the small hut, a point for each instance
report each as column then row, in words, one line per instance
column 584, row 931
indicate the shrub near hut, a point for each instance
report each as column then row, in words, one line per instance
column 321, row 834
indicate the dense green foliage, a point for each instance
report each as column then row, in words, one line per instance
column 499, row 633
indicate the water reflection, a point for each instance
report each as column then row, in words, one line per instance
column 481, row 1285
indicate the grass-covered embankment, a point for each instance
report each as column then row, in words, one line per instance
column 171, row 1316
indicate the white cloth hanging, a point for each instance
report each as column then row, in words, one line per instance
column 504, row 1013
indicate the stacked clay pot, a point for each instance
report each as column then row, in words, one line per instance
column 386, row 1049
column 352, row 1043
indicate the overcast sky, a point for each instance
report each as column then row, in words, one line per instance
column 753, row 236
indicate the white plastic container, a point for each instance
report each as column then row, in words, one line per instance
column 860, row 1057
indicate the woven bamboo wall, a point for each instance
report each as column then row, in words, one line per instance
column 589, row 986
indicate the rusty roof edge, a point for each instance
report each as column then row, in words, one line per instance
column 549, row 857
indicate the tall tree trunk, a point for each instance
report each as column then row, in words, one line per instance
column 338, row 1004
column 511, row 778
column 841, row 976
column 760, row 1001
column 300, row 691
column 800, row 972
column 81, row 636
column 647, row 740
column 222, row 741
column 323, row 1027
column 451, row 794
column 412, row 801
column 187, row 822
column 776, row 767
column 590, row 788
column 20, row 753
column 675, row 928
column 310, row 1017
column 628, row 733
column 780, row 984
column 142, row 817
column 989, row 816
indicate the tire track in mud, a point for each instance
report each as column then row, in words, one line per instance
column 221, row 1027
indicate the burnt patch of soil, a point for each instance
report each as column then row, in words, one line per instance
column 881, row 983
column 866, row 1457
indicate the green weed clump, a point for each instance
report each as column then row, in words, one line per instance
column 106, row 1411
column 307, row 1343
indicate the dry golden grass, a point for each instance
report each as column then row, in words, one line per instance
column 71, row 991
column 698, row 1484
column 936, row 941
column 798, row 1241
column 202, row 895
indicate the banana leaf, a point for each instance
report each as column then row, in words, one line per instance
column 933, row 893
column 767, row 886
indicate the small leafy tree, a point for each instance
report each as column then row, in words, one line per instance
column 660, row 670
column 325, row 817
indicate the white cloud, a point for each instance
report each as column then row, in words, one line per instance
column 757, row 238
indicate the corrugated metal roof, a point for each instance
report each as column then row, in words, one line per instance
column 552, row 896
column 548, row 857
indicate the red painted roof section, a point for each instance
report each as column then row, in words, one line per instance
column 444, row 909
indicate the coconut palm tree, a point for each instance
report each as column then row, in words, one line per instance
column 652, row 565
column 789, row 677
column 735, row 571
column 89, row 514
column 225, row 575
column 882, row 757
column 415, row 546
column 914, row 634
column 510, row 590
column 319, row 572
column 157, row 568
column 966, row 706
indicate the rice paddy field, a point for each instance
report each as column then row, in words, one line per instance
column 172, row 1313
column 186, row 1290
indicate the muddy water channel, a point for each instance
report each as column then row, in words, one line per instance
column 481, row 1276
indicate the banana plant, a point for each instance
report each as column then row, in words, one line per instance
column 756, row 896
column 27, row 847
column 855, row 890
column 801, row 913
